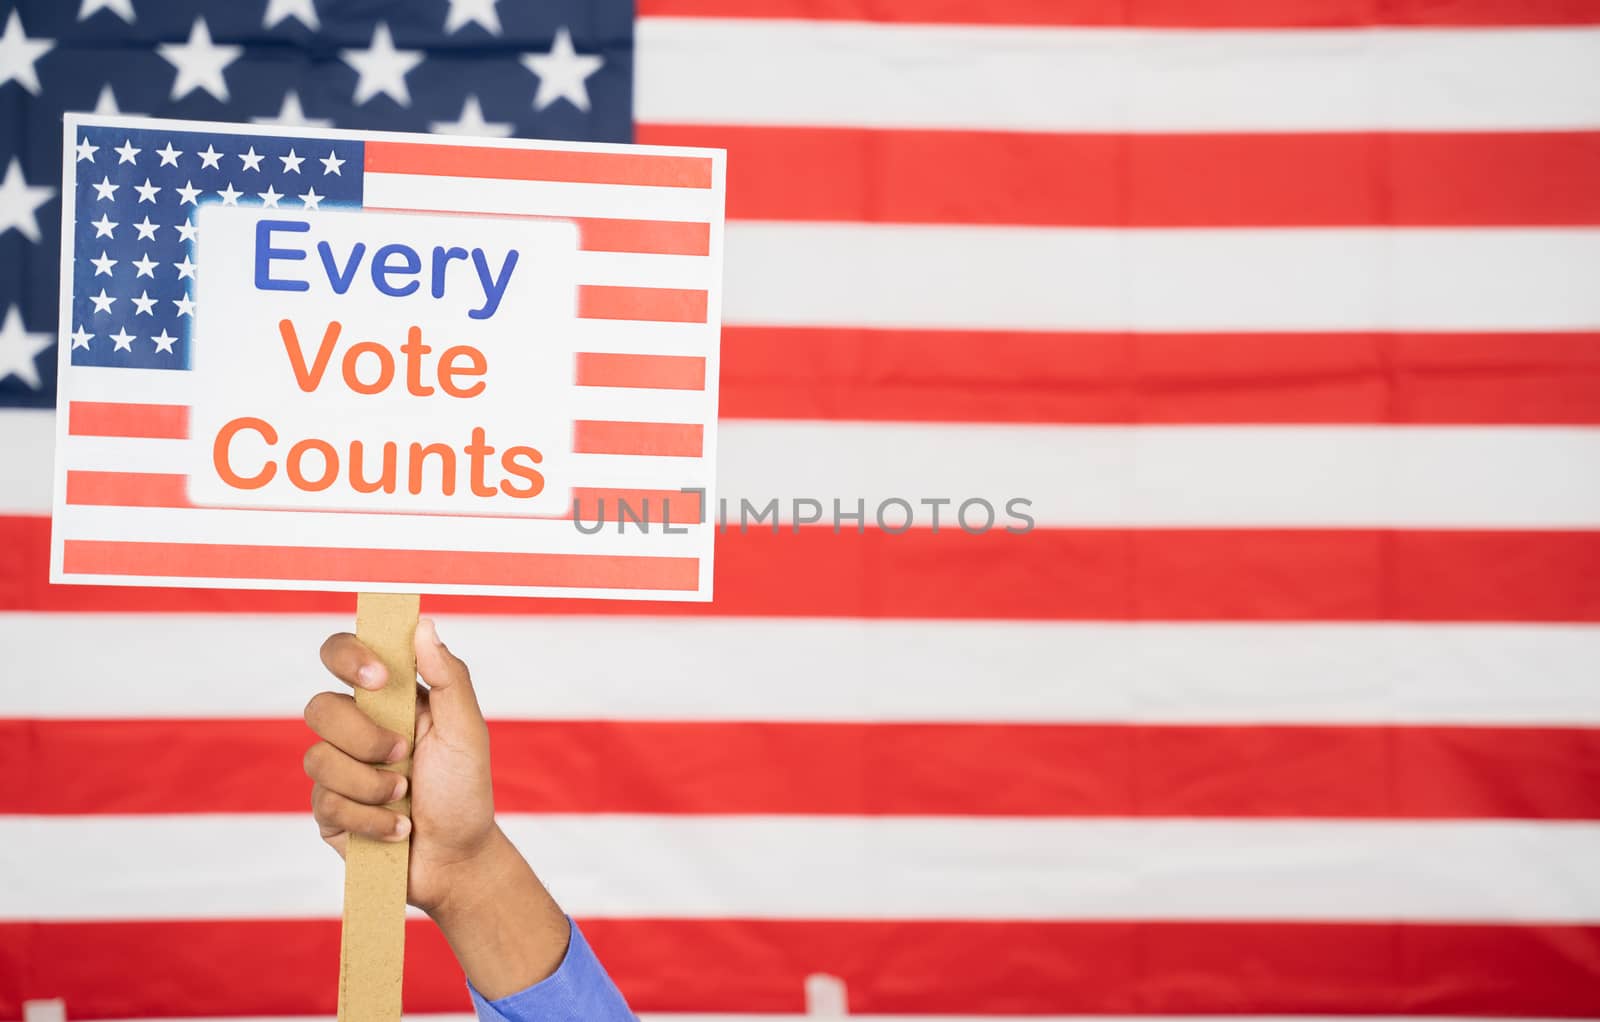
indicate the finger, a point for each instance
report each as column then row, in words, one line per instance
column 338, row 721
column 333, row 811
column 451, row 699
column 337, row 772
column 348, row 658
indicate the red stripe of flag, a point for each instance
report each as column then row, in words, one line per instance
column 1350, row 179
column 1148, row 13
column 1018, row 376
column 356, row 565
column 717, row 768
column 663, row 439
column 582, row 167
column 1046, row 574
column 651, row 507
column 660, row 372
column 107, row 418
column 289, row 967
column 127, row 489
column 662, row 304
column 600, row 234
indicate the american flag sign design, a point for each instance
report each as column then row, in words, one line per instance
column 302, row 358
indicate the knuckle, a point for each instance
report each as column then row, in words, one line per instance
column 312, row 761
column 317, row 708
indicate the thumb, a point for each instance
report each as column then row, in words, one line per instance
column 451, row 700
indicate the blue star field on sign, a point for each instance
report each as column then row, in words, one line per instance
column 552, row 69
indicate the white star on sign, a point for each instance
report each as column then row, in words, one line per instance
column 121, row 8
column 185, row 305
column 164, row 341
column 19, row 201
column 188, row 193
column 106, row 189
column 293, row 115
column 250, row 159
column 147, row 230
column 145, row 265
column 19, row 348
column 382, row 68
column 209, row 158
column 269, row 197
column 562, row 72
column 186, row 231
column 147, row 191
column 169, row 156
column 199, row 62
column 102, row 301
column 291, row 163
column 18, row 54
column 471, row 122
column 103, row 264
column 311, row 199
column 229, row 196
column 304, row 10
column 464, row 12
column 86, row 151
column 144, row 303
column 80, row 339
column 105, row 227
column 126, row 152
column 331, row 164
column 123, row 338
column 185, row 269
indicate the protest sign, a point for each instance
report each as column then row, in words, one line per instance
column 295, row 358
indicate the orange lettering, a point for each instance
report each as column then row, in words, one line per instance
column 219, row 453
column 309, row 379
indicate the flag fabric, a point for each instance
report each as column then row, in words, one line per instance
column 1280, row 317
column 621, row 352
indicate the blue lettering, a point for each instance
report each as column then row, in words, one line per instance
column 341, row 279
column 494, row 289
column 265, row 253
column 383, row 268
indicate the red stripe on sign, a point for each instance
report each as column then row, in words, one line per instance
column 651, row 507
column 1199, row 180
column 596, row 234
column 109, row 418
column 583, row 167
column 660, row 372
column 127, row 489
column 665, row 439
column 356, row 565
column 1046, row 574
column 662, row 304
column 1147, row 13
column 1016, row 376
column 1013, row 770
column 219, row 968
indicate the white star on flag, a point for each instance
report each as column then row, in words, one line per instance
column 102, row 266
column 86, row 151
column 102, row 301
column 186, row 231
column 105, row 227
column 250, row 159
column 126, row 153
column 121, row 8
column 209, row 158
column 185, row 269
column 123, row 338
column 382, row 68
column 303, row 10
column 331, row 164
column 471, row 122
column 18, row 54
column 19, row 202
column 185, row 305
column 291, row 163
column 147, row 191
column 269, row 197
column 106, row 102
column 164, row 341
column 80, row 338
column 311, row 199
column 562, row 72
column 229, row 196
column 169, row 156
column 105, row 189
column 144, row 303
column 188, row 193
column 200, row 62
column 145, row 265
column 146, row 229
column 19, row 347
column 466, row 12
column 293, row 115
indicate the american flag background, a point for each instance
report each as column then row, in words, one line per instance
column 1283, row 314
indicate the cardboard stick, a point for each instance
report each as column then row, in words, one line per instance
column 372, row 943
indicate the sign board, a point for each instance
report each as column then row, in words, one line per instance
column 295, row 358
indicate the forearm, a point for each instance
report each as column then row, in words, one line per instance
column 506, row 930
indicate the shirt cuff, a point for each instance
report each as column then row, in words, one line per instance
column 578, row 991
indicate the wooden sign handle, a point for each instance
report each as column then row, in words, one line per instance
column 373, row 941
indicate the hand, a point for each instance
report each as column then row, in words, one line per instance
column 503, row 925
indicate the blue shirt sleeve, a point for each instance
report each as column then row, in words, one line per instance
column 578, row 991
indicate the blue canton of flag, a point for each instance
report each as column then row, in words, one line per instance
column 559, row 69
column 132, row 288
